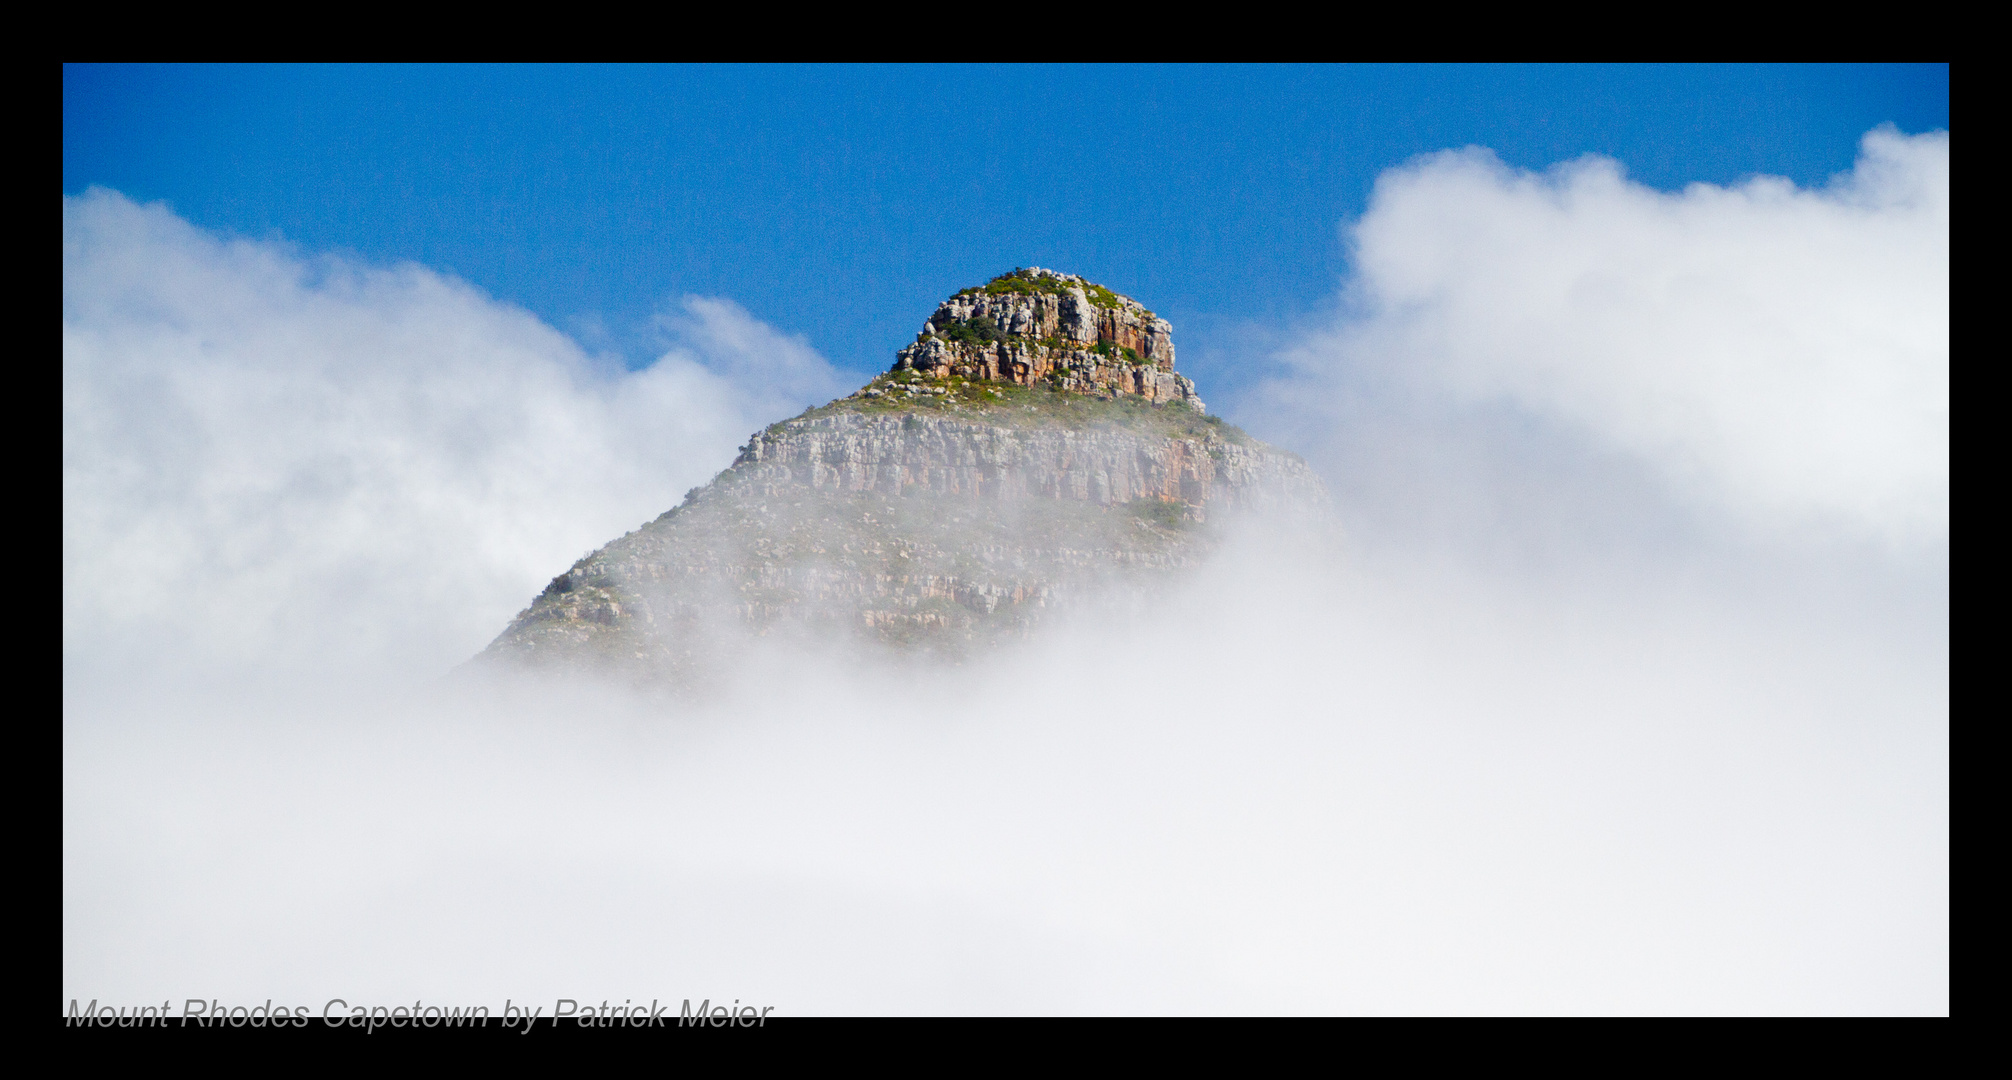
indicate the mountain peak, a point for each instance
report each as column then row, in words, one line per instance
column 1032, row 449
column 1035, row 327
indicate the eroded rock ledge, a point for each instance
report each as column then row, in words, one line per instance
column 989, row 457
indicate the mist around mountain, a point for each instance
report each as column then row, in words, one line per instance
column 1624, row 690
column 1034, row 450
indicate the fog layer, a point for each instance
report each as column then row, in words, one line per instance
column 1623, row 688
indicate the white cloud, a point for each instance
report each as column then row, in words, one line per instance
column 1776, row 354
column 1313, row 780
column 271, row 460
column 1300, row 785
column 780, row 374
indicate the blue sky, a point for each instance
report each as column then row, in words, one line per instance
column 841, row 203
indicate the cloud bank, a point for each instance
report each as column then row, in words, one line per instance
column 1685, row 750
column 1774, row 355
column 275, row 461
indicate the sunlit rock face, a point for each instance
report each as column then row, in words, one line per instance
column 1001, row 471
column 1038, row 326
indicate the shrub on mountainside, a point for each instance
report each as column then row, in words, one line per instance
column 980, row 330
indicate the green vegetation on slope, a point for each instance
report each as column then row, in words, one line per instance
column 982, row 330
column 1027, row 283
column 1009, row 404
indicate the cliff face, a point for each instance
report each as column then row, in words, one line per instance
column 944, row 505
column 997, row 456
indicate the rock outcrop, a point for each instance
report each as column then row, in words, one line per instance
column 960, row 498
column 1037, row 326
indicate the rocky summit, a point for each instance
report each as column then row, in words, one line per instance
column 1032, row 450
column 1037, row 327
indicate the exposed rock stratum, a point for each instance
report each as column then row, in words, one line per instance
column 1033, row 449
